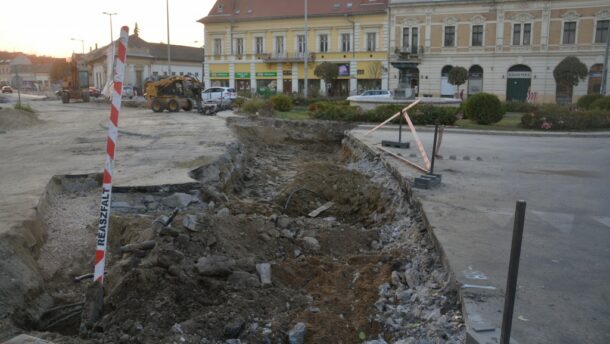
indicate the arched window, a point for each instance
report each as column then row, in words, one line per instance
column 475, row 79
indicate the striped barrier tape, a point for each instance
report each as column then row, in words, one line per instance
column 113, row 133
column 422, row 151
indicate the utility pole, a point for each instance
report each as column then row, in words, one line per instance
column 169, row 50
column 110, row 16
column 306, row 57
column 603, row 89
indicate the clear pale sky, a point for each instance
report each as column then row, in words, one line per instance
column 44, row 27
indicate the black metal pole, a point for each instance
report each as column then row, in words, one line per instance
column 400, row 127
column 434, row 148
column 513, row 272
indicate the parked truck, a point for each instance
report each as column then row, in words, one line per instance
column 175, row 93
column 76, row 84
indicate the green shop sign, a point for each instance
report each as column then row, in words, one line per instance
column 242, row 75
column 219, row 75
column 267, row 74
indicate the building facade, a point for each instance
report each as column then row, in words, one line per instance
column 510, row 48
column 35, row 77
column 261, row 43
column 145, row 60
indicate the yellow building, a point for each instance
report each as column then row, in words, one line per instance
column 261, row 43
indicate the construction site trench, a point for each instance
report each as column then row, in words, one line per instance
column 295, row 235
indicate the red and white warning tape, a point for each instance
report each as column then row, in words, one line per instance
column 422, row 151
column 113, row 133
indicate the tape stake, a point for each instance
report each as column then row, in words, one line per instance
column 113, row 131
column 420, row 146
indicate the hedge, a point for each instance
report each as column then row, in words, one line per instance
column 420, row 115
column 281, row 102
column 555, row 117
column 601, row 104
column 256, row 105
column 585, row 102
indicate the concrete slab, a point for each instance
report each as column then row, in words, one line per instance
column 25, row 339
column 563, row 287
column 153, row 149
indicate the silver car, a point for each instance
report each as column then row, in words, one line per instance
column 372, row 94
column 222, row 96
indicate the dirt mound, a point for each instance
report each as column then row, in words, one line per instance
column 17, row 119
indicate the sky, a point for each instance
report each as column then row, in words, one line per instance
column 46, row 27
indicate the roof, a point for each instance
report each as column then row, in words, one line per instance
column 137, row 47
column 247, row 10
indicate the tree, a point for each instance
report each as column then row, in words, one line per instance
column 327, row 71
column 568, row 73
column 458, row 76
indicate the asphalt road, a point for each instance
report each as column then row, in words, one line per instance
column 563, row 291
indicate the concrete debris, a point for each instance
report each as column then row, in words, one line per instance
column 311, row 244
column 190, row 222
column 264, row 271
column 297, row 334
column 234, row 328
column 215, row 266
column 178, row 200
column 223, row 212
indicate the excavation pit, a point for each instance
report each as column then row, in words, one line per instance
column 363, row 267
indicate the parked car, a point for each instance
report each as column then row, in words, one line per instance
column 372, row 94
column 128, row 91
column 222, row 96
column 7, row 89
column 94, row 92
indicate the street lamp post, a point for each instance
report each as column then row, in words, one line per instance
column 169, row 52
column 305, row 71
column 110, row 16
column 82, row 42
column 604, row 87
column 202, row 60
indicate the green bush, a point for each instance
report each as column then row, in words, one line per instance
column 430, row 114
column 260, row 106
column 484, row 108
column 24, row 107
column 239, row 102
column 555, row 117
column 333, row 111
column 586, row 101
column 516, row 106
column 601, row 104
column 281, row 102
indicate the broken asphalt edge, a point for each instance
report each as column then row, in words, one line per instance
column 472, row 337
column 455, row 130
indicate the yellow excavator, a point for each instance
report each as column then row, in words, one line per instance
column 177, row 92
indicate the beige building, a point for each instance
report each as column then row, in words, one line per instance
column 510, row 48
column 260, row 44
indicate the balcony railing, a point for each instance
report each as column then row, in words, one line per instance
column 286, row 57
column 408, row 53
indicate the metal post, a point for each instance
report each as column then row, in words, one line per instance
column 400, row 128
column 604, row 87
column 169, row 52
column 18, row 87
column 434, row 148
column 513, row 272
column 306, row 59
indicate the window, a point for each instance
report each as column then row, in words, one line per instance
column 449, row 36
column 345, row 42
column 217, row 46
column 410, row 38
column 601, row 32
column 477, row 35
column 522, row 34
column 239, row 46
column 371, row 41
column 323, row 43
column 527, row 34
column 301, row 44
column 259, row 45
column 279, row 45
column 569, row 32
